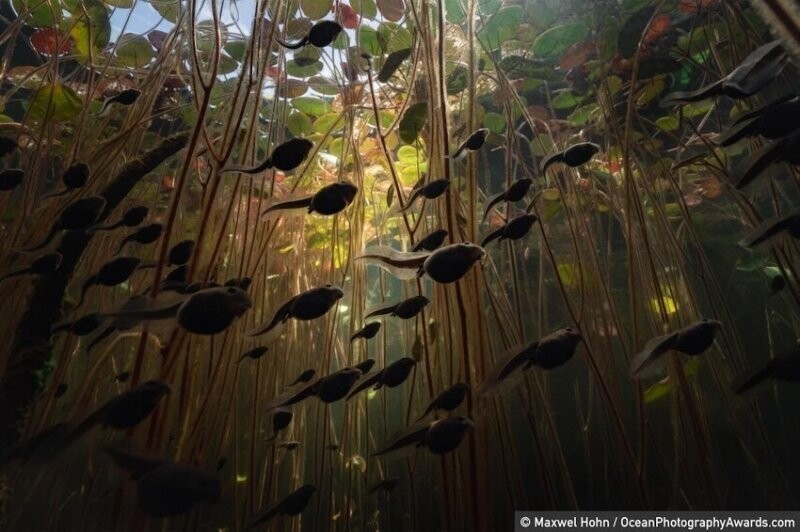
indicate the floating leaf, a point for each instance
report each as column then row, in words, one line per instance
column 566, row 100
column 95, row 22
column 134, row 51
column 312, row 105
column 555, row 41
column 582, row 115
column 324, row 123
column 393, row 37
column 494, row 122
column 649, row 92
column 236, row 48
column 324, row 85
column 368, row 40
column 50, row 41
column 414, row 119
column 54, row 102
column 206, row 36
column 502, row 26
column 668, row 123
column 316, row 9
column 307, row 56
column 454, row 11
column 408, row 155
column 41, row 14
column 392, row 63
column 169, row 9
column 348, row 17
column 577, row 54
column 391, row 9
column 457, row 80
column 157, row 38
column 365, row 8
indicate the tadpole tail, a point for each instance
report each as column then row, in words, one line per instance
column 36, row 247
column 90, row 282
column 124, row 241
column 494, row 235
column 280, row 316
column 751, row 378
column 494, row 200
column 99, row 338
column 294, row 46
column 63, row 192
column 555, row 158
column 714, row 89
column 413, row 199
column 756, row 163
column 291, row 204
column 109, row 227
column 15, row 273
column 266, row 165
column 738, row 132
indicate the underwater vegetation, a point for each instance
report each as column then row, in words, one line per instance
column 396, row 264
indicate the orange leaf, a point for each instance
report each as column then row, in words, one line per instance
column 348, row 16
column 49, row 41
column 577, row 54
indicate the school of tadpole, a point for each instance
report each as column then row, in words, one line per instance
column 396, row 265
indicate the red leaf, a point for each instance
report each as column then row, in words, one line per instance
column 577, row 54
column 348, row 16
column 49, row 41
column 658, row 28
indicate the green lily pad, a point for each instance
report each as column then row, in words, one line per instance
column 494, row 122
column 298, row 124
column 124, row 4
column 169, row 9
column 312, row 105
column 365, row 8
column 38, row 14
column 454, row 11
column 236, row 48
column 457, row 80
column 95, row 22
column 316, row 9
column 134, row 51
column 556, row 40
column 55, row 102
column 324, row 123
column 501, row 26
column 393, row 37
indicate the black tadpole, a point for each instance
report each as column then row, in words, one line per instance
column 431, row 241
column 77, row 216
column 11, row 179
column 47, row 263
column 74, row 177
column 144, row 235
column 131, row 218
column 321, row 34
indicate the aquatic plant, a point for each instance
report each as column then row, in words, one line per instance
column 181, row 178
